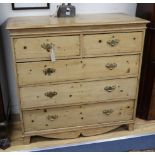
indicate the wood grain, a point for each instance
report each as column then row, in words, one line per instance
column 77, row 93
column 73, row 116
column 79, row 20
column 65, row 46
column 77, row 69
column 98, row 44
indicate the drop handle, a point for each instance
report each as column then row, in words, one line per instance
column 48, row 46
column 52, row 117
column 109, row 88
column 113, row 42
column 49, row 71
column 50, row 94
column 111, row 66
column 108, row 111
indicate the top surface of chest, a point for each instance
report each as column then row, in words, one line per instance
column 79, row 20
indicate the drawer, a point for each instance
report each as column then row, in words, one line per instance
column 113, row 43
column 31, row 48
column 73, row 116
column 77, row 69
column 83, row 92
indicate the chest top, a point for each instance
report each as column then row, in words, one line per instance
column 79, row 20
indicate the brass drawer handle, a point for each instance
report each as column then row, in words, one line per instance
column 109, row 88
column 108, row 111
column 113, row 42
column 50, row 94
column 47, row 46
column 49, row 71
column 111, row 66
column 52, row 117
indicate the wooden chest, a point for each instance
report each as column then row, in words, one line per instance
column 92, row 86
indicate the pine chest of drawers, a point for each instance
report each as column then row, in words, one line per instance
column 92, row 86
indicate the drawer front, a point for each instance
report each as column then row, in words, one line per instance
column 113, row 43
column 83, row 92
column 69, row 70
column 78, row 115
column 38, row 48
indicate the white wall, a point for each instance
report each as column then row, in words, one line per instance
column 81, row 8
column 129, row 8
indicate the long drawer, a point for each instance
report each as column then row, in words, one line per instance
column 32, row 48
column 100, row 44
column 83, row 92
column 70, row 70
column 73, row 116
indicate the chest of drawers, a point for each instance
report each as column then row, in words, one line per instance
column 92, row 86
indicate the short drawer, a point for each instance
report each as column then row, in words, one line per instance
column 81, row 115
column 38, row 48
column 77, row 69
column 73, row 93
column 113, row 43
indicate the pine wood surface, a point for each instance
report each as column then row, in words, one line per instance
column 81, row 115
column 97, row 44
column 79, row 20
column 74, row 93
column 76, row 69
column 31, row 47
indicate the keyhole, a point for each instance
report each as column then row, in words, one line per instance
column 25, row 47
column 100, row 41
